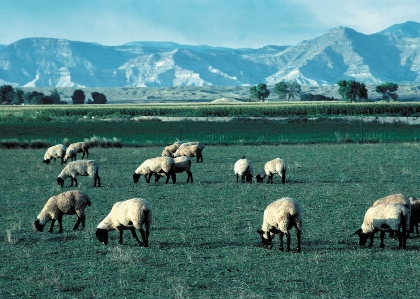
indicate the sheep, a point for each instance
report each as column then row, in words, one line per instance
column 80, row 167
column 243, row 168
column 279, row 217
column 276, row 165
column 181, row 164
column 388, row 217
column 130, row 214
column 54, row 152
column 190, row 149
column 415, row 214
column 70, row 202
column 151, row 166
column 169, row 150
column 74, row 148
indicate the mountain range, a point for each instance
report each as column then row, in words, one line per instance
column 391, row 55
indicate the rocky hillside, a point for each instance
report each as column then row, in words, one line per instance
column 342, row 53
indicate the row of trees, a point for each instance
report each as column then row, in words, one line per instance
column 350, row 90
column 16, row 96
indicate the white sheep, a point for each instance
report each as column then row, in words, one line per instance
column 169, row 150
column 181, row 164
column 80, row 167
column 279, row 217
column 243, row 168
column 272, row 167
column 69, row 203
column 151, row 166
column 191, row 149
column 130, row 214
column 389, row 217
column 415, row 214
column 54, row 152
column 74, row 148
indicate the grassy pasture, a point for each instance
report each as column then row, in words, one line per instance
column 203, row 242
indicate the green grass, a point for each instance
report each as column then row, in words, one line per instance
column 203, row 241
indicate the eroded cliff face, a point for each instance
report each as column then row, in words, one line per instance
column 341, row 53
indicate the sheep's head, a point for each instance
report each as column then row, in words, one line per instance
column 60, row 181
column 136, row 177
column 38, row 225
column 249, row 178
column 46, row 161
column 266, row 239
column 259, row 178
column 102, row 235
column 362, row 237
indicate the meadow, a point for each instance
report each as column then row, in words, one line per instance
column 203, row 240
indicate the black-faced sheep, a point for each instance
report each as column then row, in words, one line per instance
column 191, row 149
column 415, row 214
column 80, row 167
column 272, row 167
column 157, row 165
column 74, row 148
column 169, row 150
column 243, row 168
column 181, row 164
column 389, row 217
column 279, row 217
column 70, row 202
column 130, row 214
column 54, row 152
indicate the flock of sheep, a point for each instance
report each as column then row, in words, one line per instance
column 395, row 214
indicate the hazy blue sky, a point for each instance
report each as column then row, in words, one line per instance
column 229, row 23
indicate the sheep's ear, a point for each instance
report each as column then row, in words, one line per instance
column 260, row 231
column 358, row 232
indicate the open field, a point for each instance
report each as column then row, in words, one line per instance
column 203, row 241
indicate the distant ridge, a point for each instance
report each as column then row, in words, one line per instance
column 341, row 53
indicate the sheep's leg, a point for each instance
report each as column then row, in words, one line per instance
column 270, row 179
column 133, row 232
column 157, row 177
column 173, row 176
column 382, row 239
column 147, row 177
column 144, row 236
column 87, row 154
column 288, row 241
column 403, row 238
column 97, row 179
column 121, row 236
column 52, row 226
column 79, row 220
column 237, row 178
column 283, row 177
column 83, row 155
column 189, row 176
column 298, row 232
column 281, row 241
column 167, row 177
column 371, row 239
column 60, row 223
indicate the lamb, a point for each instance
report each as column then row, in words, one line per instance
column 54, row 152
column 74, row 148
column 276, row 165
column 279, row 217
column 243, row 168
column 69, row 203
column 181, row 164
column 415, row 214
column 390, row 217
column 80, row 167
column 169, row 150
column 190, row 149
column 151, row 166
column 130, row 214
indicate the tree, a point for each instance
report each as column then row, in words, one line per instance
column 259, row 92
column 78, row 97
column 388, row 91
column 98, row 98
column 287, row 90
column 352, row 90
column 36, row 98
column 18, row 97
column 6, row 94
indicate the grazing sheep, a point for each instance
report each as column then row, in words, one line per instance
column 74, row 148
column 181, row 164
column 272, row 167
column 130, row 214
column 80, row 167
column 151, row 166
column 243, row 168
column 389, row 217
column 279, row 217
column 415, row 214
column 169, row 150
column 393, row 198
column 70, row 202
column 54, row 152
column 191, row 149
